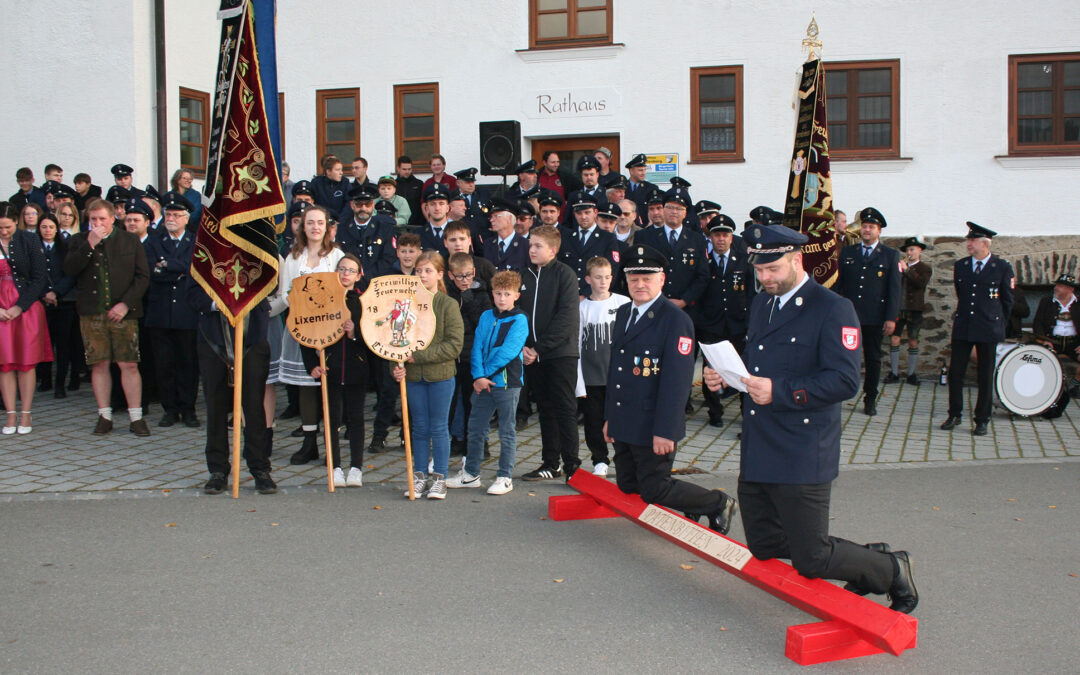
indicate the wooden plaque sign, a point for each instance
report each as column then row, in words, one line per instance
column 317, row 310
column 398, row 319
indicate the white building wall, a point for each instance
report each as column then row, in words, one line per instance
column 953, row 91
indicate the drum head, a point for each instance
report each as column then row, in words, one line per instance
column 1028, row 379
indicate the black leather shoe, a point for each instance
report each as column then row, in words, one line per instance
column 522, row 422
column 892, row 378
column 308, row 452
column 264, row 484
column 216, row 485
column 191, row 421
column 902, row 592
column 980, row 429
column 913, row 380
column 719, row 520
column 880, row 547
column 716, row 422
column 290, row 412
column 59, row 393
column 378, row 445
column 168, row 419
column 870, row 408
column 950, row 423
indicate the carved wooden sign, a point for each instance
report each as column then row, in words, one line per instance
column 317, row 310
column 398, row 319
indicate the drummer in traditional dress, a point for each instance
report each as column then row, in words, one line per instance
column 984, row 296
column 1057, row 327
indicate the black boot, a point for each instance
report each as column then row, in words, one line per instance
column 308, row 452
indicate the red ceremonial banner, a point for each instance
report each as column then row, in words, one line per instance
column 236, row 257
column 809, row 199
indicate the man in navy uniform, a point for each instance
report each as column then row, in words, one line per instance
column 586, row 240
column 639, row 189
column 169, row 320
column 984, row 297
column 506, row 249
column 367, row 236
column 706, row 210
column 527, row 180
column 725, row 305
column 684, row 247
column 651, row 369
column 869, row 276
column 802, row 354
column 437, row 207
column 122, row 175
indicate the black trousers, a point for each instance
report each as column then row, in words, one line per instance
column 553, row 383
column 958, row 363
column 593, row 408
column 639, row 470
column 60, row 319
column 871, row 349
column 463, row 381
column 350, row 398
column 176, row 368
column 389, row 391
column 219, row 401
column 792, row 521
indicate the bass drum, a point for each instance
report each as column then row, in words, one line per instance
column 1028, row 378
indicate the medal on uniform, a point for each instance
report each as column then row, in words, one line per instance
column 880, row 273
column 378, row 241
column 646, row 362
column 637, row 371
column 646, row 372
column 798, row 302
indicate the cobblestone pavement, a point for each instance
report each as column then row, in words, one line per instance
column 62, row 456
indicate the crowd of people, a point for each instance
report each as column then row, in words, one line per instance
column 583, row 293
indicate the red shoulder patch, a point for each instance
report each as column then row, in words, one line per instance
column 686, row 345
column 849, row 336
column 615, row 256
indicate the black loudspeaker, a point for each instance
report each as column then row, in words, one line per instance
column 500, row 147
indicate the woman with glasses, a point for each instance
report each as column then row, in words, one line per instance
column 346, row 376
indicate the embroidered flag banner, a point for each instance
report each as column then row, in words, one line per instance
column 809, row 199
column 236, row 255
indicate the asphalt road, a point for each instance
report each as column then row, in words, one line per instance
column 306, row 581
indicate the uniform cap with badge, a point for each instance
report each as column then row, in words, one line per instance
column 582, row 200
column 527, row 167
column 121, row 170
column 174, row 201
column 532, row 192
column 501, row 204
column 549, row 198
column 587, row 162
column 610, row 211
column 763, row 215
column 302, row 187
column 769, row 243
column 298, row 209
column 117, row 195
column 436, row 191
column 642, row 259
column 152, row 193
column 362, row 193
column 136, row 205
column 722, row 223
column 465, row 174
column 677, row 195
column 871, row 215
column 655, row 197
column 637, row 160
column 620, row 183
column 706, row 207
column 383, row 206
column 912, row 241
column 979, row 232
column 524, row 208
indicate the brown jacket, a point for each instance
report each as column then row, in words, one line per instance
column 129, row 274
column 914, row 283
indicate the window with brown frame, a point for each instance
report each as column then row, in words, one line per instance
column 569, row 23
column 194, row 130
column 416, row 122
column 716, row 114
column 337, row 130
column 1044, row 104
column 863, row 109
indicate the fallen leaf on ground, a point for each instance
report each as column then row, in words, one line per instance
column 1019, row 520
column 251, row 510
column 273, row 524
column 1011, row 499
column 722, row 628
column 1051, row 507
column 936, row 508
column 166, row 491
column 543, row 517
column 377, row 508
column 170, row 525
column 686, row 567
column 1073, row 575
column 532, row 494
column 558, row 581
column 207, row 557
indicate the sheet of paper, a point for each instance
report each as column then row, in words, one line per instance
column 723, row 358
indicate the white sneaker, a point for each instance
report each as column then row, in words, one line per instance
column 599, row 469
column 463, row 479
column 501, row 486
column 356, row 478
column 339, row 477
column 438, row 486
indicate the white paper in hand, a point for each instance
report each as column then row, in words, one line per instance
column 723, row 358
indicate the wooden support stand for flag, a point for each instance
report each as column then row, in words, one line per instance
column 326, row 421
column 408, row 439
column 238, row 413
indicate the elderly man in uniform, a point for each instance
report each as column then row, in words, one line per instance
column 652, row 366
column 169, row 319
column 984, row 286
column 367, row 236
column 869, row 276
column 916, row 275
column 506, row 249
column 1057, row 327
column 802, row 353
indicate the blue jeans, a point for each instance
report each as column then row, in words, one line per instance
column 483, row 406
column 429, row 414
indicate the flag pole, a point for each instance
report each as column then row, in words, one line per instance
column 238, row 414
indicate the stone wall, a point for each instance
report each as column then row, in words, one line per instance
column 1037, row 262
